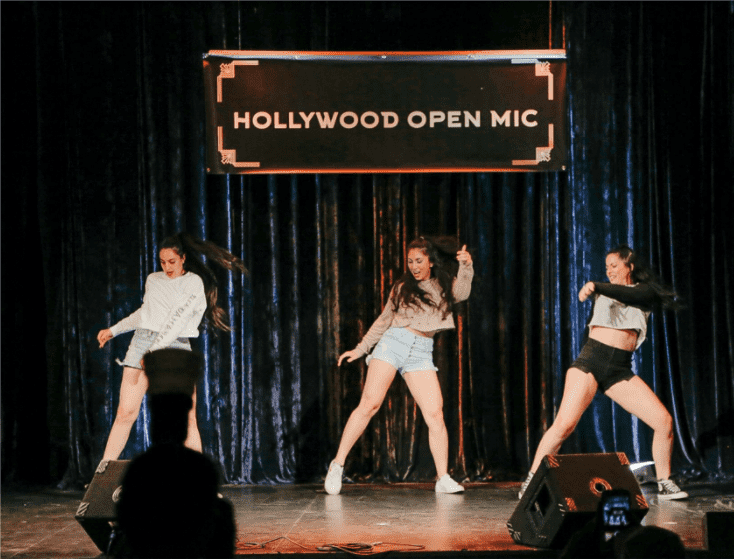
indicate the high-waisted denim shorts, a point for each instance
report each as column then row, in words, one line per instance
column 609, row 365
column 405, row 351
column 142, row 340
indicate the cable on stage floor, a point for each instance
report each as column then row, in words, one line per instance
column 255, row 545
column 368, row 548
column 351, row 548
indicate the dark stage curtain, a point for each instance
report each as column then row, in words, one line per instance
column 103, row 155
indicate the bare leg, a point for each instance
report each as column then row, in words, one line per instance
column 578, row 393
column 426, row 390
column 132, row 390
column 639, row 400
column 379, row 377
column 193, row 438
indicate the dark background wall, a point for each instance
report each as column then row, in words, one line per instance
column 102, row 155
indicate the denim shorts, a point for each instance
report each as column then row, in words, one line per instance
column 608, row 365
column 405, row 351
column 142, row 340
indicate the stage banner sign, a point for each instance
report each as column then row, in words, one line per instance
column 322, row 112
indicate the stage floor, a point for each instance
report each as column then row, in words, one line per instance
column 303, row 519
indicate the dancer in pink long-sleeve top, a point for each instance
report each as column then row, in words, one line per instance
column 420, row 305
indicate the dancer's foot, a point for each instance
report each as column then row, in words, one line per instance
column 524, row 485
column 668, row 490
column 448, row 485
column 333, row 481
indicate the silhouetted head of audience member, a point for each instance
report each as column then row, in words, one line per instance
column 170, row 505
column 648, row 542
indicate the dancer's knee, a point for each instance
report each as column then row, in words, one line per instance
column 664, row 425
column 368, row 406
column 127, row 413
column 434, row 418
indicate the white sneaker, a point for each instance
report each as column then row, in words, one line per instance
column 448, row 485
column 524, row 485
column 333, row 481
column 668, row 490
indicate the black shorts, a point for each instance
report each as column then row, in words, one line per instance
column 608, row 364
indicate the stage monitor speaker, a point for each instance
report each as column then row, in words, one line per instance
column 718, row 532
column 96, row 512
column 564, row 494
column 645, row 472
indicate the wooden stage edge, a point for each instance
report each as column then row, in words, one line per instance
column 303, row 521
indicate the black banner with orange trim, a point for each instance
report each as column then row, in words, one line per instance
column 308, row 112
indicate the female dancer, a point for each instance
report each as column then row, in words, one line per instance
column 618, row 326
column 420, row 305
column 174, row 304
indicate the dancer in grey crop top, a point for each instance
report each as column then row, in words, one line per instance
column 617, row 327
column 420, row 305
column 175, row 302
column 623, row 307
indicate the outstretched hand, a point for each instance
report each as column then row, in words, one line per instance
column 463, row 257
column 104, row 336
column 351, row 355
column 586, row 291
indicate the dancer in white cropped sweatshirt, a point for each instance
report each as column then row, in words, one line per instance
column 174, row 304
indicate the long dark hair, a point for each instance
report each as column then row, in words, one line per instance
column 641, row 273
column 193, row 249
column 441, row 252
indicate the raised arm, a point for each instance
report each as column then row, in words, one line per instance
column 462, row 283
